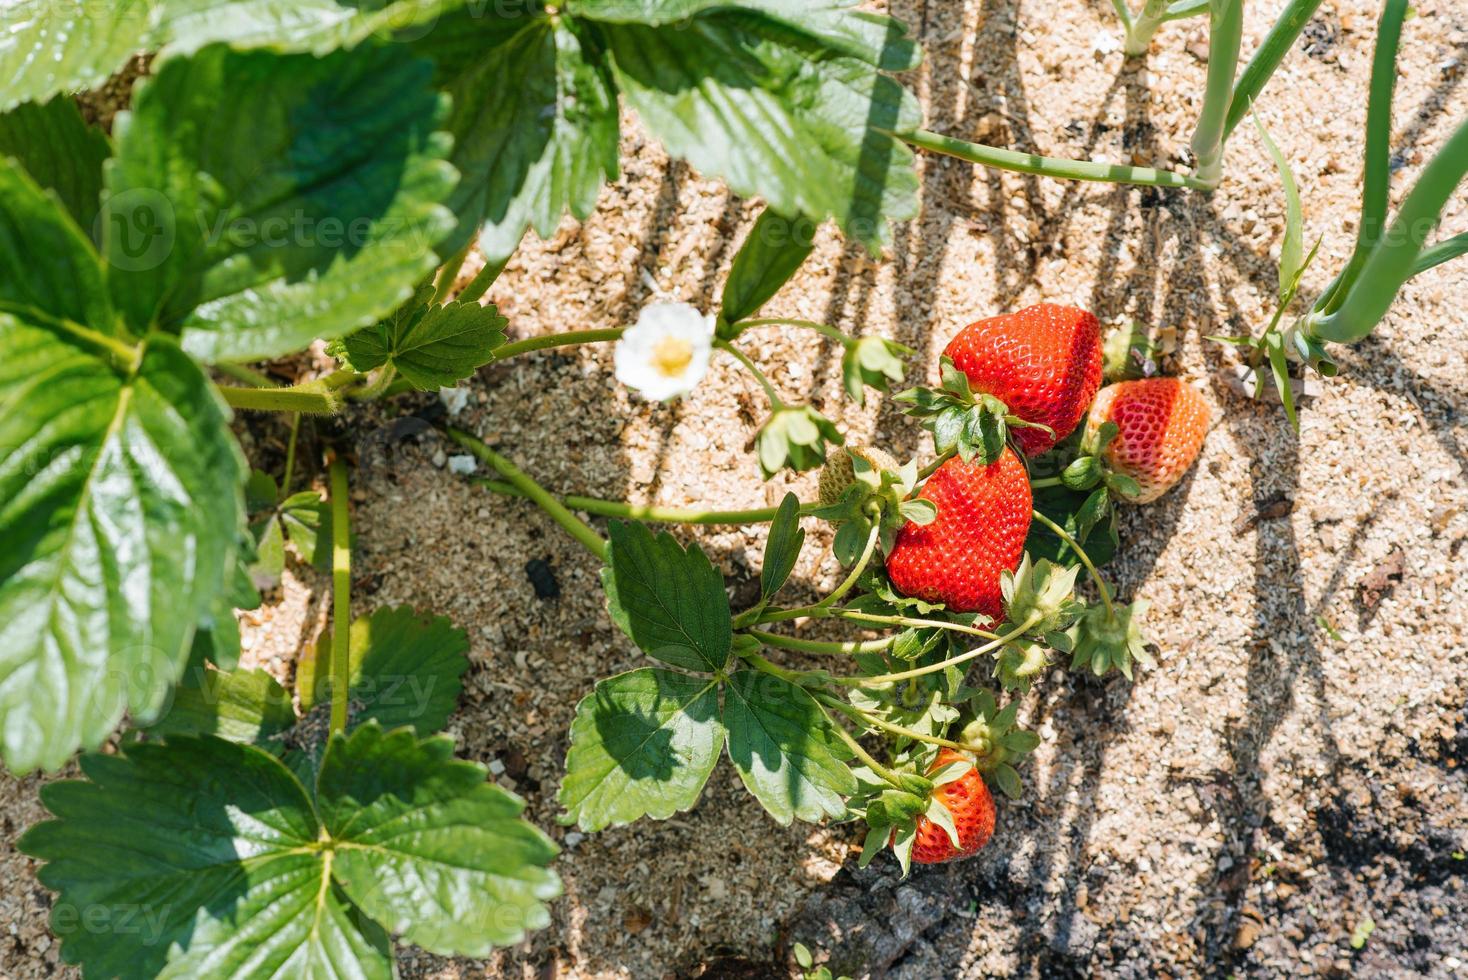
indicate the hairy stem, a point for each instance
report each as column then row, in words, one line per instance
column 821, row 646
column 873, row 721
column 1075, row 546
column 319, row 397
column 1030, row 163
column 856, row 570
column 290, row 455
column 661, row 515
column 557, row 511
column 341, row 595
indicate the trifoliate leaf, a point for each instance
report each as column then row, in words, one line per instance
column 670, row 601
column 405, row 670
column 433, row 346
column 778, row 111
column 774, row 250
column 253, row 240
column 782, row 547
column 782, row 744
column 643, row 744
column 123, row 510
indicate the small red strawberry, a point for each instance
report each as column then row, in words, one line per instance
column 968, row 802
column 1160, row 424
column 1043, row 363
column 983, row 518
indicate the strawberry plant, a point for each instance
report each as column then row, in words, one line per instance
column 294, row 173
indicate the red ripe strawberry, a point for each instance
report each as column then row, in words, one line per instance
column 1043, row 362
column 967, row 799
column 1160, row 423
column 983, row 518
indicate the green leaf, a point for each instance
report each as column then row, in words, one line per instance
column 240, row 705
column 535, row 126
column 669, row 601
column 878, row 40
column 782, row 548
column 48, row 47
column 121, row 515
column 318, row 26
column 432, row 346
column 60, row 151
column 306, row 519
column 203, row 857
column 1071, row 509
column 404, row 666
column 200, row 851
column 68, row 284
column 316, row 219
column 774, row 250
column 428, row 848
column 781, row 743
column 1292, row 249
column 217, row 640
column 643, row 744
column 779, row 111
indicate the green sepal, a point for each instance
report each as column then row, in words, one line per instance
column 1103, row 643
column 795, row 436
column 872, row 362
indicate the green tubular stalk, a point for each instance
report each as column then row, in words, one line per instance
column 341, row 595
column 290, row 456
column 557, row 511
column 1143, row 26
column 1395, row 255
column 825, row 330
column 963, row 658
column 1030, row 163
column 861, row 565
column 1225, row 35
column 244, row 374
column 1261, row 67
column 318, row 397
column 657, row 515
column 776, row 403
column 857, row 616
column 1376, row 168
column 1123, row 13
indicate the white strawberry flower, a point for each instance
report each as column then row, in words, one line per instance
column 666, row 352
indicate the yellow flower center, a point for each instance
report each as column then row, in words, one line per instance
column 670, row 356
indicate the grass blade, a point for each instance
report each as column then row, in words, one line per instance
column 1449, row 248
column 1261, row 67
column 1291, row 251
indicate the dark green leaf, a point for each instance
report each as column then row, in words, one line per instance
column 670, row 601
column 775, row 248
column 67, row 283
column 60, row 151
column 240, row 705
column 643, row 744
column 781, row 742
column 535, row 126
column 428, row 848
column 149, row 858
column 405, row 670
column 315, row 219
column 1066, row 507
column 432, row 347
column 775, row 110
column 306, row 519
column 217, row 640
column 121, row 523
column 873, row 38
column 782, row 547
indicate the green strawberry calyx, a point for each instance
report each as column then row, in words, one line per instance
column 1100, row 641
column 863, row 488
column 962, row 421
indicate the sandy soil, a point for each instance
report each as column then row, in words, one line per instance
column 1294, row 764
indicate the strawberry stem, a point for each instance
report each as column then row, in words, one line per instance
column 1075, row 546
column 1049, row 481
column 932, row 467
column 341, row 595
column 821, row 646
column 999, row 641
column 567, row 339
column 483, row 279
column 1032, row 163
column 875, row 721
column 857, row 569
column 775, row 401
column 825, row 330
column 857, row 616
column 556, row 510
column 450, row 273
column 662, row 515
